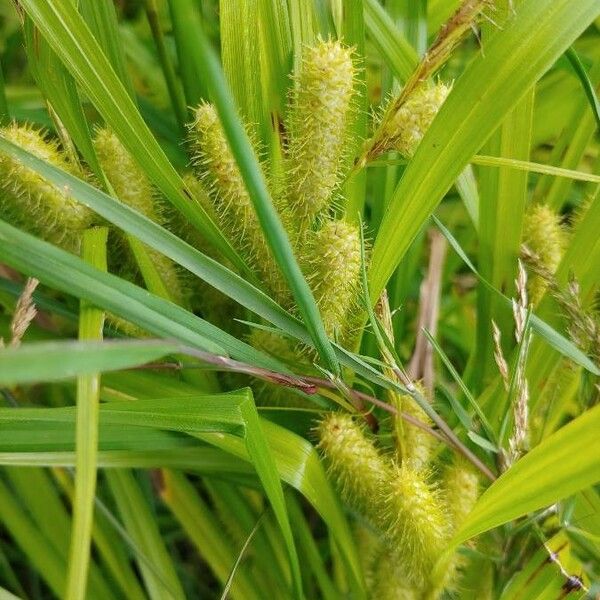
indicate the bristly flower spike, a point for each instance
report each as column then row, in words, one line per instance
column 333, row 270
column 30, row 202
column 132, row 187
column 546, row 239
column 320, row 110
column 402, row 127
column 231, row 202
column 353, row 462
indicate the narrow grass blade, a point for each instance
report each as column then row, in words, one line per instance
column 240, row 54
column 546, row 474
column 186, row 24
column 91, row 324
column 157, row 568
column 397, row 51
column 68, row 35
column 518, row 55
column 173, row 85
column 532, row 167
column 101, row 18
column 26, row 535
column 204, row 531
column 588, row 86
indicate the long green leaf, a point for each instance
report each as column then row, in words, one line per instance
column 518, row 54
column 155, row 563
column 67, row 33
column 401, row 57
column 54, row 361
column 564, row 463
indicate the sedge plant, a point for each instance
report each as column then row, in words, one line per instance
column 234, row 364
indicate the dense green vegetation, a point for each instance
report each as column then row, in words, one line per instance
column 299, row 299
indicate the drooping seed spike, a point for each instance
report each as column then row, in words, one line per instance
column 417, row 444
column 416, row 523
column 129, row 182
column 333, row 271
column 546, row 239
column 320, row 111
column 359, row 471
column 231, row 202
column 402, row 127
column 132, row 187
column 33, row 204
column 461, row 488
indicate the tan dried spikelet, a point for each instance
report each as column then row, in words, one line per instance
column 132, row 187
column 403, row 129
column 320, row 110
column 546, row 239
column 230, row 200
column 333, row 258
column 33, row 204
column 359, row 471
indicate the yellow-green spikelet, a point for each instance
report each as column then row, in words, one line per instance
column 544, row 235
column 404, row 130
column 231, row 202
column 333, row 267
column 389, row 580
column 414, row 523
column 359, row 471
column 132, row 187
column 321, row 106
column 417, row 444
column 33, row 204
column 461, row 488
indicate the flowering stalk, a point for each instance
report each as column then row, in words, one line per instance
column 333, row 260
column 230, row 201
column 321, row 106
column 132, row 187
column 29, row 202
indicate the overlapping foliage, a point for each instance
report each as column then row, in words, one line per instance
column 299, row 299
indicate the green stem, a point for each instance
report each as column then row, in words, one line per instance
column 91, row 323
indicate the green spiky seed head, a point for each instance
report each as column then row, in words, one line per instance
column 354, row 463
column 321, row 107
column 30, row 202
column 416, row 524
column 389, row 580
column 334, row 261
column 132, row 187
column 417, row 445
column 545, row 237
column 231, row 202
column 461, row 487
column 404, row 129
column 461, row 490
column 130, row 183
